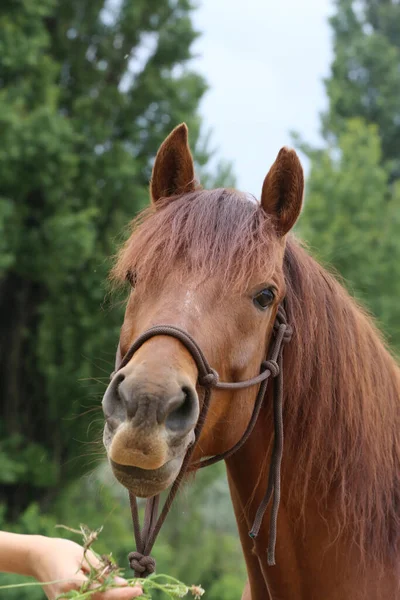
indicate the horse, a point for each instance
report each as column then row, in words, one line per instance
column 218, row 264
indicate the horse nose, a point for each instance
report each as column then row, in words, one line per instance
column 172, row 406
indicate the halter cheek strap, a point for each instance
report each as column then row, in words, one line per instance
column 141, row 561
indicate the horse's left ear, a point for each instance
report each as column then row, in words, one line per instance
column 173, row 171
column 283, row 189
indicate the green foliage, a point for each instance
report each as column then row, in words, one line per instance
column 365, row 77
column 352, row 210
column 20, row 463
column 87, row 93
column 352, row 218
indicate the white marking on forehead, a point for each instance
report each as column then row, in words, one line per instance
column 189, row 301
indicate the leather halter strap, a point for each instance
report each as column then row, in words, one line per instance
column 141, row 561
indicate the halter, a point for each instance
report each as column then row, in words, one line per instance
column 141, row 561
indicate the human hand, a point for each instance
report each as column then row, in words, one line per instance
column 56, row 559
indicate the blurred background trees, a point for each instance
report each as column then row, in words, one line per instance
column 79, row 130
column 88, row 90
column 351, row 218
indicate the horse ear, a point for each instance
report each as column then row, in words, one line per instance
column 173, row 171
column 282, row 191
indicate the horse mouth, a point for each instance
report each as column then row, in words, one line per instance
column 145, row 483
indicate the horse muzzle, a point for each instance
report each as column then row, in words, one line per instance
column 149, row 426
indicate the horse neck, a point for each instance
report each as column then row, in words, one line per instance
column 313, row 559
column 341, row 467
column 342, row 390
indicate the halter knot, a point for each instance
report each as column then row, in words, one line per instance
column 141, row 564
column 209, row 380
column 272, row 367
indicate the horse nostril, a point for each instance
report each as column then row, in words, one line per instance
column 129, row 396
column 111, row 402
column 119, row 378
column 181, row 413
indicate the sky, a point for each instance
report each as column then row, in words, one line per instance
column 264, row 61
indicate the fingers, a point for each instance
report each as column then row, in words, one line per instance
column 70, row 583
column 125, row 593
column 121, row 593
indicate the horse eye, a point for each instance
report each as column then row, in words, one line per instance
column 264, row 298
column 131, row 278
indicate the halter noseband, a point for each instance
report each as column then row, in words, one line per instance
column 141, row 561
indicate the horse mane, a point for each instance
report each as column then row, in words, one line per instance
column 342, row 386
column 342, row 407
column 219, row 230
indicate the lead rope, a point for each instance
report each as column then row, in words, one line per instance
column 274, row 478
column 140, row 560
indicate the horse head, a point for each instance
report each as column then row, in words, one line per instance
column 209, row 263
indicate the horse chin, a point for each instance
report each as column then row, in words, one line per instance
column 145, row 483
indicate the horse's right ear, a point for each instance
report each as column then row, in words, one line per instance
column 283, row 189
column 173, row 171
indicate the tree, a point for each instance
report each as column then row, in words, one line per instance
column 365, row 74
column 88, row 90
column 351, row 220
column 352, row 207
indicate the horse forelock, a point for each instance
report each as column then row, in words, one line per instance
column 222, row 232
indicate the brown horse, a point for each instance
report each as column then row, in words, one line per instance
column 217, row 265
